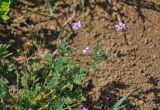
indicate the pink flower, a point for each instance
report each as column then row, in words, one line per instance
column 76, row 25
column 120, row 26
column 84, row 108
column 86, row 50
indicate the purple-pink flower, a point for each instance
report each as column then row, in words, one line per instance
column 76, row 25
column 120, row 26
column 86, row 50
column 84, row 108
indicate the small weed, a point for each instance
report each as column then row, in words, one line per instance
column 88, row 29
column 99, row 55
column 5, row 70
column 5, row 6
column 39, row 44
column 53, row 84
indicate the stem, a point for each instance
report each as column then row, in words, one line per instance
column 41, row 97
column 26, row 72
column 71, row 106
column 70, row 18
column 18, row 79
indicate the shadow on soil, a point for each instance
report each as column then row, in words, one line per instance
column 155, row 90
column 17, row 41
column 19, row 33
column 151, row 93
column 143, row 4
column 107, row 5
column 108, row 97
column 23, row 31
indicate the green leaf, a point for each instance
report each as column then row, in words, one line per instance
column 64, row 49
column 5, row 17
column 5, row 8
column 4, row 93
column 3, row 51
column 117, row 106
column 58, row 105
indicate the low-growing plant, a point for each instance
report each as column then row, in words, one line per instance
column 99, row 55
column 3, row 51
column 5, row 69
column 5, row 6
column 49, row 83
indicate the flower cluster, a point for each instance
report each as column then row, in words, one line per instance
column 84, row 108
column 86, row 50
column 120, row 26
column 76, row 25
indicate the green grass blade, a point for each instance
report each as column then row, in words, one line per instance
column 51, row 10
column 83, row 4
column 119, row 103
